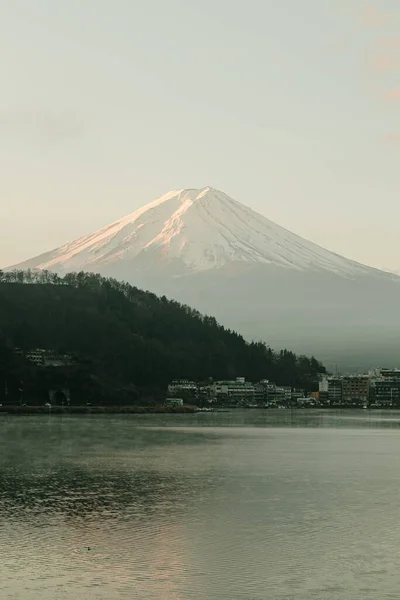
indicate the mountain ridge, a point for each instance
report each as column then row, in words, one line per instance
column 204, row 229
column 204, row 249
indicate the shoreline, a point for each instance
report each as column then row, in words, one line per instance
column 161, row 410
column 98, row 410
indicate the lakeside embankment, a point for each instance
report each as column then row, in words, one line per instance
column 61, row 410
column 142, row 410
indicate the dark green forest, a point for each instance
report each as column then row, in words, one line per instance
column 128, row 343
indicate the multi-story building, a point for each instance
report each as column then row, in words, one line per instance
column 47, row 358
column 55, row 359
column 335, row 391
column 386, row 394
column 238, row 391
column 283, row 395
column 323, row 389
column 330, row 390
column 385, row 388
column 260, row 394
column 389, row 374
column 265, row 393
column 355, row 390
column 323, row 385
column 36, row 356
column 296, row 395
column 177, row 386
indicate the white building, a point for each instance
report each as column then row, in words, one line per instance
column 48, row 358
column 324, row 384
column 236, row 391
column 182, row 385
column 36, row 356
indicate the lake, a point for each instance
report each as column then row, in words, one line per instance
column 246, row 505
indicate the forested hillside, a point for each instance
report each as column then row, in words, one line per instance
column 128, row 337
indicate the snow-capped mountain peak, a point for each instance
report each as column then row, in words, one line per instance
column 199, row 230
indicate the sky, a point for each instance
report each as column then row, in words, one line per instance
column 291, row 107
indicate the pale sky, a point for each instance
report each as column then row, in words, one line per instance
column 291, row 107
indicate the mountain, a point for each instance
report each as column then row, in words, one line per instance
column 203, row 248
column 192, row 231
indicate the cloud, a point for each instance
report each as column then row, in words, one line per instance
column 393, row 95
column 385, row 58
column 374, row 17
column 392, row 138
column 42, row 126
column 278, row 60
column 365, row 14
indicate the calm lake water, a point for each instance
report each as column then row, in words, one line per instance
column 249, row 505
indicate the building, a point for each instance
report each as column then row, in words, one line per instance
column 386, row 394
column 55, row 359
column 238, row 391
column 296, row 395
column 283, row 395
column 385, row 388
column 330, row 390
column 47, row 358
column 323, row 389
column 36, row 356
column 265, row 393
column 323, row 384
column 355, row 390
column 308, row 402
column 334, row 391
column 179, row 386
column 389, row 374
column 287, row 392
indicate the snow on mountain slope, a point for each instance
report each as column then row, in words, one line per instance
column 201, row 229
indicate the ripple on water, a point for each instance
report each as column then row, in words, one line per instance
column 177, row 514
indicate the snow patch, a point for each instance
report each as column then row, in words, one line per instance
column 204, row 229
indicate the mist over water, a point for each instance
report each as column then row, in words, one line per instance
column 249, row 505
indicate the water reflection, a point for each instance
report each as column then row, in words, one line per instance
column 243, row 505
column 67, row 485
column 81, row 494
